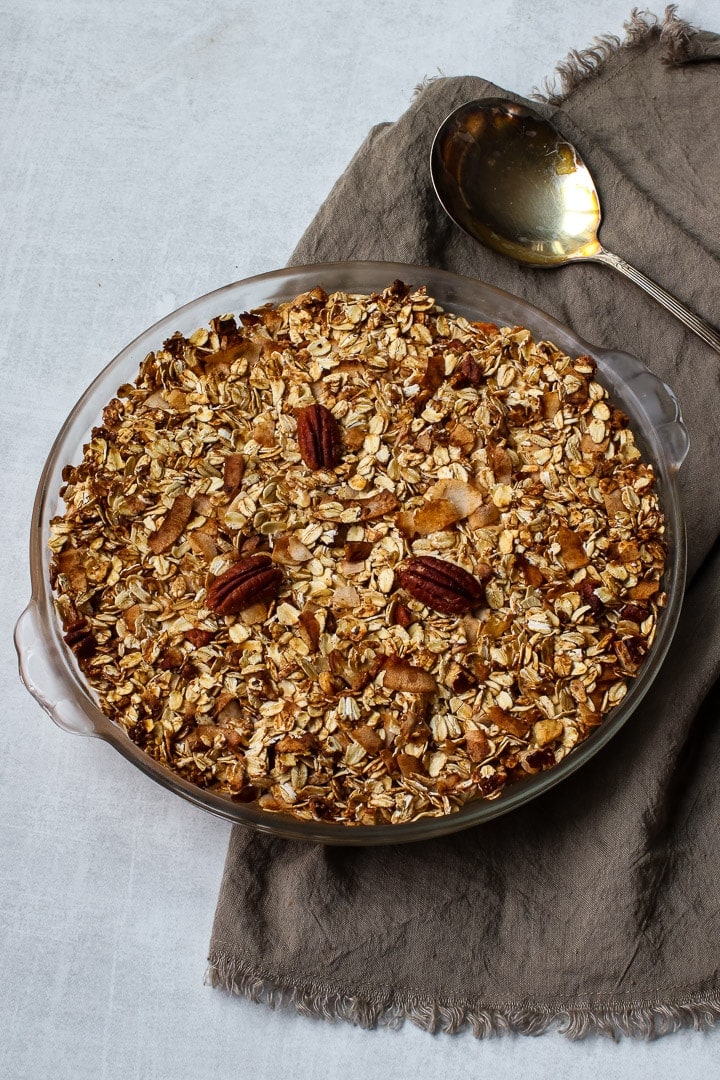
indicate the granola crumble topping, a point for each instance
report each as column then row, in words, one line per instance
column 337, row 694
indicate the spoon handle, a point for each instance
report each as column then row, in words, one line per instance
column 684, row 314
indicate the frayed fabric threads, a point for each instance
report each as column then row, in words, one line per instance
column 583, row 65
column 644, row 1020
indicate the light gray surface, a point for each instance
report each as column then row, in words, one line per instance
column 149, row 154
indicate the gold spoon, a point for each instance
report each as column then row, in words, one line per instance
column 509, row 179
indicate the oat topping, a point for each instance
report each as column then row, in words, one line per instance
column 359, row 559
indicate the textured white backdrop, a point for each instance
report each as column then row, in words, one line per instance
column 150, row 153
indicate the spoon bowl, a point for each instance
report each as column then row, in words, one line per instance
column 510, row 179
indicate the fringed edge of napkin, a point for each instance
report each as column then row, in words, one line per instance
column 582, row 65
column 642, row 1019
column 680, row 42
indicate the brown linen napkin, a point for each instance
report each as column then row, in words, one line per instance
column 597, row 906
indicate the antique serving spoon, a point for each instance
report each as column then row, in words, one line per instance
column 509, row 179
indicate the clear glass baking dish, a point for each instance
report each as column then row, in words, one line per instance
column 48, row 668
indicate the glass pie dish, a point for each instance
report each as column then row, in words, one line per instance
column 48, row 667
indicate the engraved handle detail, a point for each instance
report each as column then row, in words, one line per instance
column 693, row 322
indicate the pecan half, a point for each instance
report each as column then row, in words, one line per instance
column 469, row 373
column 246, row 582
column 634, row 613
column 81, row 639
column 401, row 615
column 443, row 586
column 318, row 437
column 588, row 596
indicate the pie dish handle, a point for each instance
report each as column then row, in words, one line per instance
column 659, row 403
column 44, row 680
